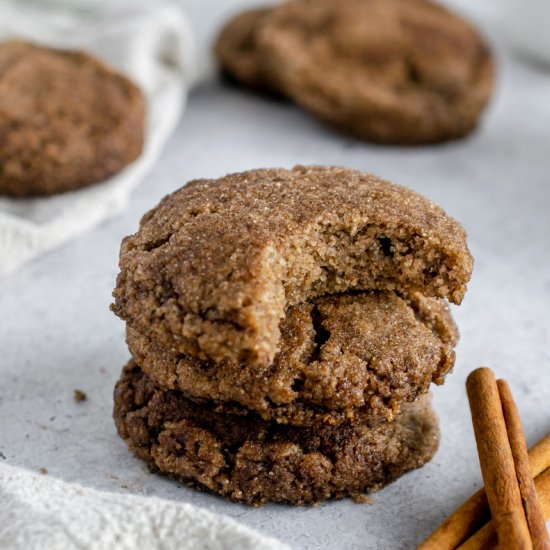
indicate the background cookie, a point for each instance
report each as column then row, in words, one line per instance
column 66, row 120
column 236, row 49
column 342, row 357
column 390, row 71
column 249, row 460
column 213, row 268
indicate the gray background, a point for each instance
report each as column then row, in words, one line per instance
column 57, row 334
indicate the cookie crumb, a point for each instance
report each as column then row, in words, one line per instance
column 362, row 498
column 43, row 470
column 79, row 396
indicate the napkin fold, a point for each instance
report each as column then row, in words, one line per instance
column 148, row 41
column 39, row 511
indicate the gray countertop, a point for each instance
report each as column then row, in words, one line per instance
column 57, row 333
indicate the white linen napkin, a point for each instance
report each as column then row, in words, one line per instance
column 151, row 43
column 38, row 511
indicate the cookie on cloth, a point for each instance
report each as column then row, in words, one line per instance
column 249, row 460
column 213, row 269
column 343, row 358
column 66, row 120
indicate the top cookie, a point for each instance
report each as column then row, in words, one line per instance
column 388, row 71
column 66, row 120
column 214, row 267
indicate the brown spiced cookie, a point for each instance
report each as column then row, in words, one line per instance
column 237, row 52
column 342, row 358
column 253, row 461
column 214, row 268
column 389, row 71
column 66, row 120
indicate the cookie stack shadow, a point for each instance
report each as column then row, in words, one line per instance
column 285, row 327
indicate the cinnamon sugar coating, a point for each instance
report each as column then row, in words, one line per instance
column 66, row 120
column 342, row 358
column 249, row 460
column 215, row 266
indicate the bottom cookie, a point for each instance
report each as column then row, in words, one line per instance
column 247, row 459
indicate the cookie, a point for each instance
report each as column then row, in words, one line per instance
column 342, row 357
column 249, row 460
column 66, row 120
column 388, row 71
column 214, row 267
column 237, row 53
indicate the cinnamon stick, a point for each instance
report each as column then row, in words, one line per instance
column 486, row 537
column 496, row 461
column 474, row 513
column 516, row 437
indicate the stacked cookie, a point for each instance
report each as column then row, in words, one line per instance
column 388, row 71
column 285, row 326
